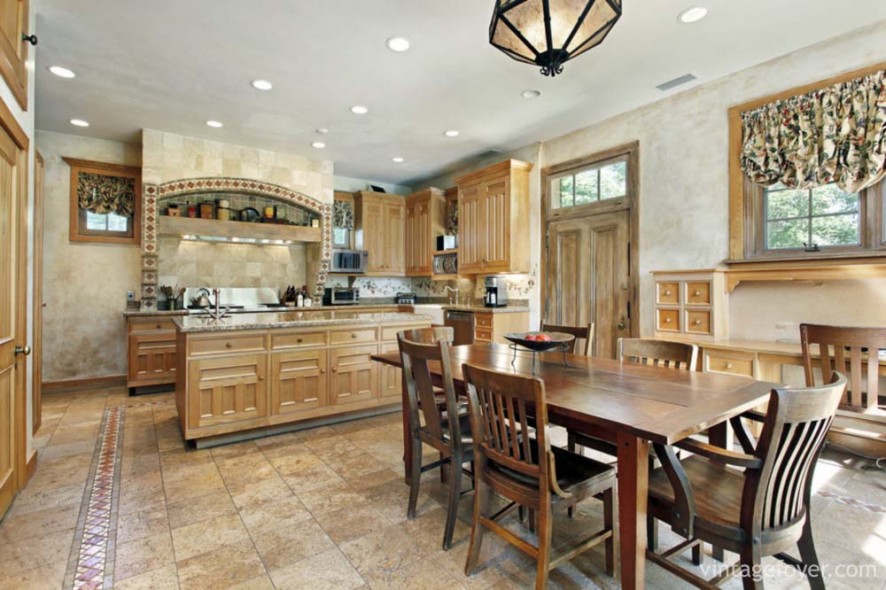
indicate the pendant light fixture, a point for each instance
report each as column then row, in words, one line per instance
column 548, row 33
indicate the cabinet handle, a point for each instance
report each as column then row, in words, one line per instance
column 261, row 377
column 159, row 326
column 668, row 292
column 667, row 320
column 697, row 322
column 334, row 370
column 696, row 293
column 32, row 39
column 353, row 335
column 728, row 365
column 228, row 345
column 299, row 341
column 322, row 371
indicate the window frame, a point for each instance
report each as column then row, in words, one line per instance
column 586, row 165
column 78, row 231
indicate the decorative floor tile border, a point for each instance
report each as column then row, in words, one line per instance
column 91, row 565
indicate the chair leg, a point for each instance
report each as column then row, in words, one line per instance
column 481, row 501
column 698, row 554
column 570, row 442
column 751, row 574
column 444, row 470
column 545, row 533
column 455, row 477
column 533, row 522
column 609, row 523
column 810, row 557
column 414, row 478
column 651, row 533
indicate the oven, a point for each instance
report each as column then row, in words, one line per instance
column 349, row 261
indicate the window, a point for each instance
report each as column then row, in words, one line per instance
column 105, row 202
column 599, row 182
column 811, row 219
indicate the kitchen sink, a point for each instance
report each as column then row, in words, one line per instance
column 432, row 310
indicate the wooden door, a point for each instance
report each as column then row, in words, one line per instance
column 37, row 354
column 13, row 269
column 496, row 212
column 391, row 378
column 418, row 238
column 354, row 374
column 227, row 389
column 393, row 238
column 471, row 229
column 298, row 381
column 13, row 50
column 411, row 237
column 588, row 276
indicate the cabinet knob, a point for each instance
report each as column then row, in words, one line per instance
column 299, row 341
column 353, row 335
column 32, row 39
column 228, row 345
column 728, row 365
column 667, row 320
column 322, row 371
column 696, row 293
column 159, row 326
column 697, row 322
column 667, row 292
column 334, row 370
column 261, row 377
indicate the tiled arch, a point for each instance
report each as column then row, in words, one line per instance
column 154, row 193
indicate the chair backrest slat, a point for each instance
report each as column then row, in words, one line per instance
column 585, row 333
column 862, row 345
column 658, row 353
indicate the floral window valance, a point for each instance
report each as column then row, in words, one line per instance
column 342, row 215
column 101, row 194
column 831, row 135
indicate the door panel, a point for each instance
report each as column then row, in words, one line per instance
column 354, row 374
column 228, row 389
column 298, row 381
column 496, row 213
column 13, row 50
column 588, row 276
column 469, row 228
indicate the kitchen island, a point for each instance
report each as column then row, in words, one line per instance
column 256, row 373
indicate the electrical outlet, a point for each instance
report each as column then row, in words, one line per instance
column 130, row 296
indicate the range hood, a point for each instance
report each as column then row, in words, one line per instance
column 237, row 232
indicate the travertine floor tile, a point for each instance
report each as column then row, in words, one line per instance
column 207, row 535
column 288, row 544
column 221, row 568
column 330, row 570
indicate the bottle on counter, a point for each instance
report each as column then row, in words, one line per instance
column 299, row 299
column 192, row 209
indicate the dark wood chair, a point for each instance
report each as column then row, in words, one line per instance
column 585, row 333
column 527, row 470
column 435, row 416
column 760, row 511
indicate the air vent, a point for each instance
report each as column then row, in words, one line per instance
column 488, row 154
column 676, row 82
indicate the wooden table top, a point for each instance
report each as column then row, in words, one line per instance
column 659, row 405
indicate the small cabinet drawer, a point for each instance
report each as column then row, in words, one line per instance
column 282, row 341
column 719, row 363
column 698, row 321
column 353, row 336
column 483, row 320
column 667, row 293
column 482, row 335
column 667, row 320
column 151, row 325
column 698, row 292
column 221, row 344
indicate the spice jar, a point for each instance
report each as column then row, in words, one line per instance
column 206, row 211
column 192, row 209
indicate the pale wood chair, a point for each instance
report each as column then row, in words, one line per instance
column 435, row 417
column 585, row 333
column 759, row 511
column 527, row 470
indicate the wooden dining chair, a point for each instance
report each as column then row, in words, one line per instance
column 442, row 426
column 585, row 333
column 528, row 471
column 759, row 510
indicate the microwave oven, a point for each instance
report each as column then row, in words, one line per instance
column 349, row 261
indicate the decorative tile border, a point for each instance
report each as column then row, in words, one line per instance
column 91, row 565
column 153, row 193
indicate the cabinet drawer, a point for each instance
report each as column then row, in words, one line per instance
column 698, row 292
column 667, row 292
column 483, row 335
column 483, row 320
column 147, row 325
column 221, row 344
column 389, row 333
column 667, row 320
column 297, row 340
column 353, row 336
column 698, row 321
column 721, row 363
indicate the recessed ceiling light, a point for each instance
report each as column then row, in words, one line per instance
column 692, row 15
column 322, row 130
column 451, row 133
column 79, row 123
column 359, row 110
column 61, row 72
column 262, row 85
column 398, row 44
column 319, row 145
column 530, row 93
column 215, row 124
column 397, row 160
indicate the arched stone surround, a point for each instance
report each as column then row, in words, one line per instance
column 153, row 194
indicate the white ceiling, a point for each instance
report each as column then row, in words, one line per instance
column 171, row 65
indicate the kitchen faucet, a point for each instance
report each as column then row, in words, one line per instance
column 452, row 290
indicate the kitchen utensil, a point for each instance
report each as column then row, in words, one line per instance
column 250, row 214
column 202, row 299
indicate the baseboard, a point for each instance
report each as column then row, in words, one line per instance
column 30, row 467
column 80, row 384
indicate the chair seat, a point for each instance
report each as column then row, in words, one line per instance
column 574, row 472
column 717, row 491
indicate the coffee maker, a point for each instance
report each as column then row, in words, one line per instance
column 496, row 292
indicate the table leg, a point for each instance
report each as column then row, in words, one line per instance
column 407, row 436
column 633, row 489
column 721, row 436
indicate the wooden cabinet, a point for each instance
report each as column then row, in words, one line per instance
column 425, row 219
column 13, row 49
column 390, row 378
column 492, row 327
column 692, row 302
column 227, row 389
column 354, row 374
column 299, row 382
column 380, row 222
column 151, row 351
column 493, row 210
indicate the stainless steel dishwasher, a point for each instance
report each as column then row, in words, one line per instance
column 462, row 322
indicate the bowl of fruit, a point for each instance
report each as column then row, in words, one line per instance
column 540, row 341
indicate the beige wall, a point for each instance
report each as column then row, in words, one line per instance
column 84, row 285
column 168, row 156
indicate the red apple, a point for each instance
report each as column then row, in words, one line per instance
column 543, row 338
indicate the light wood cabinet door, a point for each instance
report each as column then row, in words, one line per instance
column 471, row 229
column 372, row 229
column 152, row 358
column 13, row 50
column 227, row 389
column 393, row 238
column 418, row 238
column 298, row 381
column 353, row 374
column 496, row 213
column 391, row 378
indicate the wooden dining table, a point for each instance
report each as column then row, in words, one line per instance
column 627, row 404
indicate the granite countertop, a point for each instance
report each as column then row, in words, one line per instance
column 151, row 312
column 483, row 309
column 291, row 319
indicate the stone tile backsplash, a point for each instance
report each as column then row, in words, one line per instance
column 519, row 286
